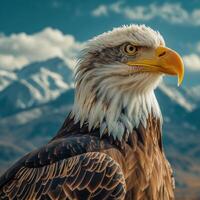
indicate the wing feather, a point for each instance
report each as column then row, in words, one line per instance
column 92, row 175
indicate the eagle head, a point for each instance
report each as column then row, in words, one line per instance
column 116, row 76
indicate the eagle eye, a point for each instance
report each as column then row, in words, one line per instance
column 129, row 49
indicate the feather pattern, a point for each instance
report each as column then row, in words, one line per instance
column 75, row 163
column 87, row 176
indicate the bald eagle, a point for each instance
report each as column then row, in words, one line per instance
column 110, row 145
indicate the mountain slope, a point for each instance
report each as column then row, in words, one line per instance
column 35, row 84
column 6, row 77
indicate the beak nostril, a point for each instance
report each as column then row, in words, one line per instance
column 162, row 54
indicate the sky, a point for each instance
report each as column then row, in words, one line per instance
column 34, row 30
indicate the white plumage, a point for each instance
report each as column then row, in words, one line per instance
column 135, row 92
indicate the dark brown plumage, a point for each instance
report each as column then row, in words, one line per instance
column 77, row 165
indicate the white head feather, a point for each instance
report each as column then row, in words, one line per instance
column 104, row 97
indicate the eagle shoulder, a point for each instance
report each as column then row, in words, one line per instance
column 56, row 150
column 71, row 167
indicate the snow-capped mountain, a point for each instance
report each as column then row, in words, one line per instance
column 35, row 84
column 6, row 77
column 178, row 95
column 180, row 105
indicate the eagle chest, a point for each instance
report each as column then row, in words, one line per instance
column 147, row 173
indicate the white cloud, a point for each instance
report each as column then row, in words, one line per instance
column 192, row 62
column 100, row 10
column 20, row 49
column 171, row 12
column 17, row 50
column 12, row 61
column 116, row 7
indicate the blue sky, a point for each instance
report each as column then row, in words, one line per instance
column 178, row 22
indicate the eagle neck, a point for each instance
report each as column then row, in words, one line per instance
column 120, row 115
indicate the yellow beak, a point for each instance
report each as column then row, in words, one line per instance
column 162, row 60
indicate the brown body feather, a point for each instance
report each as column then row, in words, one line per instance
column 77, row 164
